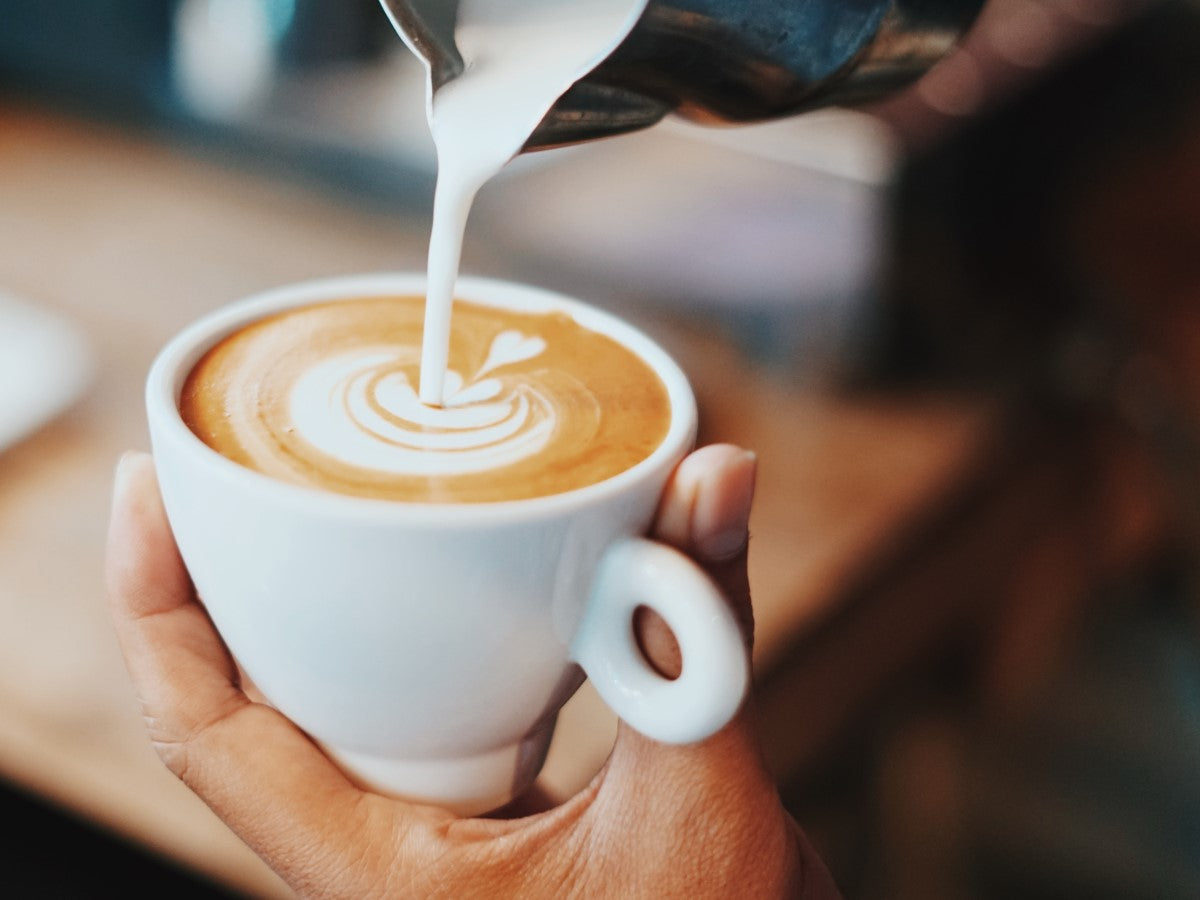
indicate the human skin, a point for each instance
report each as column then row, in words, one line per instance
column 703, row 820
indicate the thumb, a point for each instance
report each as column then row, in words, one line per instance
column 719, row 790
column 709, row 813
column 705, row 513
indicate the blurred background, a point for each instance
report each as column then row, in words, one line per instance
column 961, row 327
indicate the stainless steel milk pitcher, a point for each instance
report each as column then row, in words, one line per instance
column 724, row 60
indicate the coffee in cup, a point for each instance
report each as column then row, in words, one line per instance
column 326, row 395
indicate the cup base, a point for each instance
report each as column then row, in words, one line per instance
column 466, row 786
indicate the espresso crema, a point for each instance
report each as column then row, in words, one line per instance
column 328, row 396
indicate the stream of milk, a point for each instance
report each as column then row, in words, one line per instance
column 521, row 56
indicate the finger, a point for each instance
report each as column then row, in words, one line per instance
column 705, row 512
column 252, row 766
column 180, row 669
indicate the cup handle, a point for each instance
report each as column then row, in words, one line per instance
column 708, row 692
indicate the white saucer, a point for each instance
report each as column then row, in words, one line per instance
column 45, row 365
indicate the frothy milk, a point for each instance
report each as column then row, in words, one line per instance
column 361, row 409
column 520, row 58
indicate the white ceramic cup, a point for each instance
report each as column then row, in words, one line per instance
column 428, row 647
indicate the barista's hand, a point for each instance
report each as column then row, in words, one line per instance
column 658, row 821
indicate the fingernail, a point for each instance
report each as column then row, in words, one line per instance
column 721, row 521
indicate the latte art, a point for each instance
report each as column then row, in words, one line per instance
column 328, row 396
column 362, row 408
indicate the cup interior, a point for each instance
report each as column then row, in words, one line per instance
column 181, row 354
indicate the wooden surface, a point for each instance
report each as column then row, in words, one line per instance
column 132, row 239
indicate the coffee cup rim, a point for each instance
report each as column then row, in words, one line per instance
column 176, row 359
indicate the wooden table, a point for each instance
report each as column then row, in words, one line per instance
column 133, row 238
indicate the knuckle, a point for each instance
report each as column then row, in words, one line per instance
column 174, row 755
